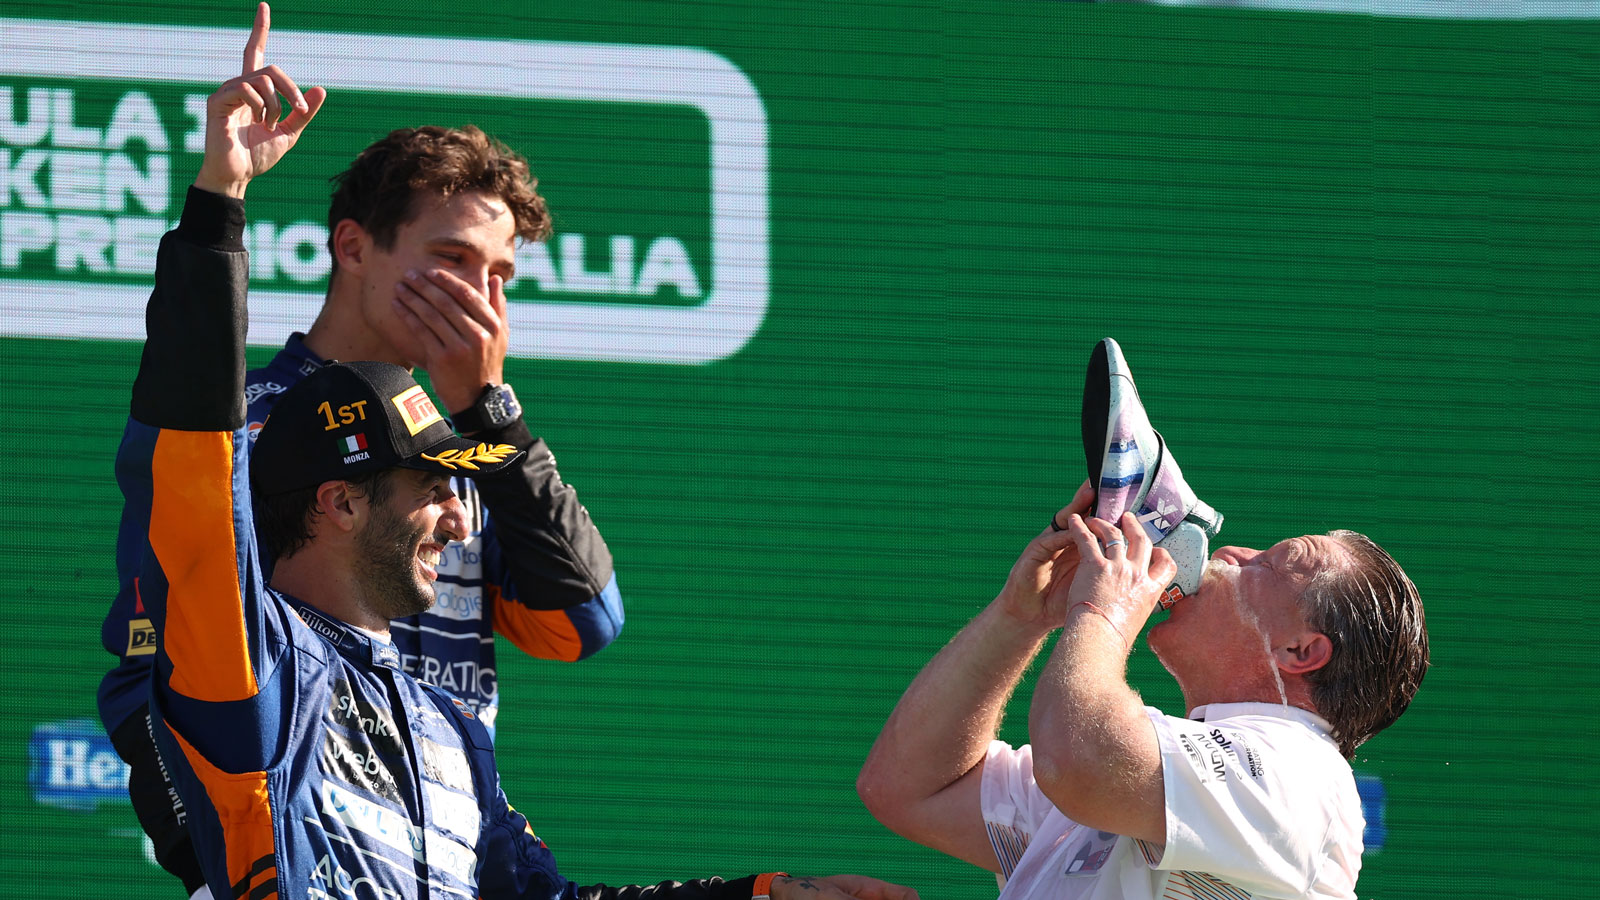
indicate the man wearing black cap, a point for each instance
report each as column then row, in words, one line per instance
column 422, row 226
column 311, row 764
column 375, row 489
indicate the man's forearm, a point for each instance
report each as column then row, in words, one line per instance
column 697, row 889
column 942, row 726
column 1095, row 754
column 555, row 554
column 191, row 374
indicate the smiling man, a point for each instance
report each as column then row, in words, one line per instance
column 423, row 227
column 1288, row 659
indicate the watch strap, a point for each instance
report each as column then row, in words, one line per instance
column 496, row 407
column 763, row 886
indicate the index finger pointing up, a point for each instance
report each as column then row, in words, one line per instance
column 255, row 49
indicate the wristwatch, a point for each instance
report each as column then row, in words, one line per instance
column 763, row 886
column 497, row 407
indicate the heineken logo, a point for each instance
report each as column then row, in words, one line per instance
column 98, row 145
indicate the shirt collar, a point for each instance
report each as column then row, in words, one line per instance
column 353, row 643
column 1212, row 712
column 299, row 356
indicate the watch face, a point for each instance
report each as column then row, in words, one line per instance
column 500, row 405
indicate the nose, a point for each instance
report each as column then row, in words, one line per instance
column 453, row 519
column 1236, row 555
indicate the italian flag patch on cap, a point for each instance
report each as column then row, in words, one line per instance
column 353, row 443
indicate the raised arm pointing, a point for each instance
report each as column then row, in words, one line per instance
column 245, row 135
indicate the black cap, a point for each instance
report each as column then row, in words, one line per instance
column 346, row 419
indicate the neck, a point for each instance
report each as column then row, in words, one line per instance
column 327, row 585
column 342, row 331
column 1296, row 692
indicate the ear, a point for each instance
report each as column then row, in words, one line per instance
column 341, row 508
column 1310, row 651
column 352, row 245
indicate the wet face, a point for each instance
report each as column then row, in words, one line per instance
column 470, row 235
column 1229, row 638
column 402, row 540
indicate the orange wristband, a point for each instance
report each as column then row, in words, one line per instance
column 763, row 888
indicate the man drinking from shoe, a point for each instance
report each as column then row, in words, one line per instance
column 1288, row 659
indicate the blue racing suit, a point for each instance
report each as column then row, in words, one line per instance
column 534, row 568
column 311, row 764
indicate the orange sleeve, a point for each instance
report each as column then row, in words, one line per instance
column 541, row 633
column 246, row 817
column 192, row 534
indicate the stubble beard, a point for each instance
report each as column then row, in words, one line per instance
column 387, row 567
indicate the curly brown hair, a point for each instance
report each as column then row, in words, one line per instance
column 380, row 189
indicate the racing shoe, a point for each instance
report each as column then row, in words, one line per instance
column 1132, row 469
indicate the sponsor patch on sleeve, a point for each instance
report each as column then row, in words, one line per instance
column 1205, row 756
column 141, row 637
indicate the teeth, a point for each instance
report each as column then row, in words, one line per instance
column 431, row 557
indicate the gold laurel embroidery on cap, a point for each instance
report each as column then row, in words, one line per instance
column 483, row 453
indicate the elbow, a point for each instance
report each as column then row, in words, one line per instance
column 881, row 794
column 599, row 621
column 873, row 789
column 1068, row 776
column 1101, row 787
column 1100, row 765
column 598, row 639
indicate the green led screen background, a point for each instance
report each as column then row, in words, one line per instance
column 1350, row 259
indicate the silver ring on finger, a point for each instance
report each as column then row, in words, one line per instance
column 1119, row 542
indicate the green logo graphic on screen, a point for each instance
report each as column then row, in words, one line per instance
column 654, row 160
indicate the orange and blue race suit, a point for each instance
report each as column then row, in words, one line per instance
column 534, row 568
column 311, row 764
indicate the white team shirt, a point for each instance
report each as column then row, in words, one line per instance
column 1259, row 805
